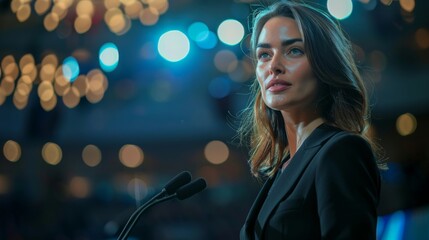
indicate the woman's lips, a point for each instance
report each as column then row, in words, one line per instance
column 278, row 87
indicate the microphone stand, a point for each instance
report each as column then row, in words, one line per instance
column 171, row 187
column 174, row 189
column 136, row 215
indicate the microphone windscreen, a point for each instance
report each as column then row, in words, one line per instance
column 177, row 182
column 191, row 189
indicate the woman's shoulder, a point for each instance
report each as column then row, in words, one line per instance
column 344, row 137
column 345, row 145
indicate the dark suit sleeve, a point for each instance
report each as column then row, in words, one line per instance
column 347, row 188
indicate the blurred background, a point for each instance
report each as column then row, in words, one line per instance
column 102, row 102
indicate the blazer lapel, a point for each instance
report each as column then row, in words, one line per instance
column 292, row 173
column 254, row 210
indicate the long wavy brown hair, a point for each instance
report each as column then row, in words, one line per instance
column 342, row 100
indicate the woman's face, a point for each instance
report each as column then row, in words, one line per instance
column 283, row 70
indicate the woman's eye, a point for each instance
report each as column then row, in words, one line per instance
column 263, row 55
column 296, row 52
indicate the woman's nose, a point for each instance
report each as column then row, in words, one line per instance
column 276, row 66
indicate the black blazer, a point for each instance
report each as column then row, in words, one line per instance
column 330, row 190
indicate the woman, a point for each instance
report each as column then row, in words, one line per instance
column 307, row 131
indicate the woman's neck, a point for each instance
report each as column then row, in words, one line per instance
column 298, row 130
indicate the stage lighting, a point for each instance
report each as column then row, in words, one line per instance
column 109, row 57
column 230, row 32
column 173, row 46
column 340, row 9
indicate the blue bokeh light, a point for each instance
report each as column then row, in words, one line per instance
column 173, row 46
column 220, row 87
column 109, row 57
column 392, row 226
column 209, row 41
column 70, row 68
column 340, row 9
column 198, row 31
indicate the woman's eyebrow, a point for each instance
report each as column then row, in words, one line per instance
column 284, row 43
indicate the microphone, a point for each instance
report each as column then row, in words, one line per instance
column 171, row 187
column 191, row 189
column 178, row 181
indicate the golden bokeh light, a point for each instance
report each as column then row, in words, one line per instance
column 24, row 12
column 23, row 87
column 51, row 21
column 422, row 38
column 241, row 73
column 71, row 97
column 52, row 153
column 124, row 24
column 21, row 90
column 149, row 16
column 131, row 155
column 79, row 187
column 160, row 5
column 116, row 20
column 97, row 85
column 50, row 104
column 85, row 7
column 26, row 64
column 133, row 9
column 47, row 72
column 8, row 85
column 93, row 97
column 81, row 54
column 62, row 84
column 407, row 5
column 14, row 5
column 406, row 124
column 216, row 152
column 97, row 81
column 6, row 62
column 33, row 74
column 12, row 151
column 10, row 68
column 4, row 184
column 82, row 23
column 20, row 103
column 147, row 12
column 112, row 4
column 20, row 96
column 50, row 84
column 91, row 155
column 45, row 91
column 26, row 79
column 42, row 6
column 61, row 9
column 225, row 60
column 60, row 90
column 81, row 84
column 50, row 59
